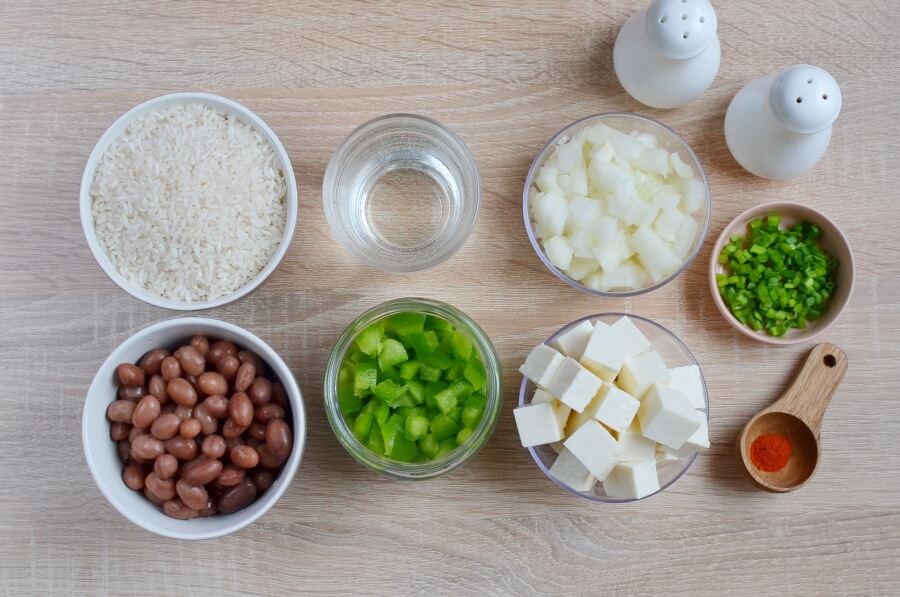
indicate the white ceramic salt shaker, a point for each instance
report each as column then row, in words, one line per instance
column 779, row 126
column 667, row 54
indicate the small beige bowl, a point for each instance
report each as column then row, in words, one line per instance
column 833, row 241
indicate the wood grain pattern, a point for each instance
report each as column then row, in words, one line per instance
column 505, row 75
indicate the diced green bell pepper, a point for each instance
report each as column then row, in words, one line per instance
column 369, row 340
column 471, row 417
column 429, row 446
column 366, row 377
column 416, row 427
column 404, row 324
column 410, row 369
column 392, row 353
column 460, row 346
column 362, row 426
column 443, row 427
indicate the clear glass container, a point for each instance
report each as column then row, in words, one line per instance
column 401, row 193
column 673, row 352
column 626, row 123
column 493, row 391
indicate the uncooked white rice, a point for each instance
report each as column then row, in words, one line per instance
column 189, row 203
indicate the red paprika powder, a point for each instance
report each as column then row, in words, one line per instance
column 770, row 452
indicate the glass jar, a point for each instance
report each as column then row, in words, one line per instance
column 493, row 391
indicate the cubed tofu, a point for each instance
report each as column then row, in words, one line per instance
column 632, row 480
column 573, row 342
column 573, row 385
column 640, row 372
column 578, row 419
column 558, row 447
column 665, row 457
column 605, row 352
column 635, row 447
column 666, row 416
column 689, row 381
column 562, row 410
column 541, row 364
column 636, row 342
column 617, row 408
column 538, row 424
column 568, row 470
column 698, row 442
column 595, row 448
column 541, row 395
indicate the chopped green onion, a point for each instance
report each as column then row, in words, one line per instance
column 774, row 279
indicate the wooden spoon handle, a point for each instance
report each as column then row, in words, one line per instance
column 820, row 376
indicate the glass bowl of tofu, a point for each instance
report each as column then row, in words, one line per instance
column 616, row 204
column 613, row 407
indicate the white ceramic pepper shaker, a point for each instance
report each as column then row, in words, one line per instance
column 779, row 126
column 667, row 54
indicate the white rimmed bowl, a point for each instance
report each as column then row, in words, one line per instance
column 102, row 455
column 673, row 352
column 117, row 128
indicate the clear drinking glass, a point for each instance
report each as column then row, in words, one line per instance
column 402, row 192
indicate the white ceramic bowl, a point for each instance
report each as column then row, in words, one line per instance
column 118, row 127
column 102, row 455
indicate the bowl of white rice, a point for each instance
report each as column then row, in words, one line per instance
column 188, row 201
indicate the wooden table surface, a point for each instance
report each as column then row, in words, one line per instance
column 506, row 76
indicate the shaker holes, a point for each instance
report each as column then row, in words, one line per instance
column 702, row 19
column 685, row 36
column 824, row 96
column 662, row 20
column 799, row 100
column 809, row 80
column 684, row 17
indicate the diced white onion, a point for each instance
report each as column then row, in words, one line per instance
column 614, row 210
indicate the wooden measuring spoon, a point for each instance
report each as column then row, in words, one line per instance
column 797, row 416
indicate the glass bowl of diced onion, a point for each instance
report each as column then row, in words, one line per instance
column 670, row 466
column 616, row 204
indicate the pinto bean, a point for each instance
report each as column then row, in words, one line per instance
column 178, row 509
column 238, row 497
column 241, row 409
column 191, row 361
column 279, row 438
column 166, row 426
column 130, row 375
column 151, row 362
column 134, row 475
column 182, row 392
column 244, row 456
column 146, row 411
column 260, row 391
column 170, row 368
column 203, row 472
column 200, row 344
column 121, row 411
